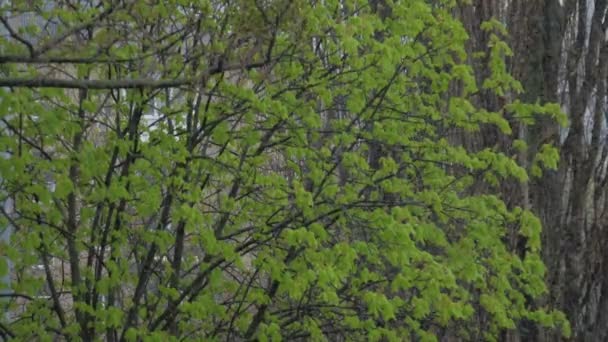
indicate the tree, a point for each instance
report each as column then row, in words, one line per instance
column 559, row 55
column 237, row 170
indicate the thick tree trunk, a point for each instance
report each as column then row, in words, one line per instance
column 561, row 55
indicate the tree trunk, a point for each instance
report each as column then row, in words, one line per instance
column 561, row 55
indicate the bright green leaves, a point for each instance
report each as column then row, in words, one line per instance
column 379, row 306
column 531, row 229
column 465, row 262
column 460, row 111
column 318, row 194
column 3, row 269
column 356, row 102
column 148, row 204
column 299, row 237
column 500, row 81
column 526, row 112
column 203, row 308
column 303, row 199
column 63, row 186
column 464, row 74
column 494, row 304
column 269, row 332
column 552, row 319
column 500, row 167
column 547, row 158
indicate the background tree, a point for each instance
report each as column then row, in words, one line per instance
column 237, row 170
column 560, row 55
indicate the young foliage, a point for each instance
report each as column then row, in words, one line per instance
column 237, row 170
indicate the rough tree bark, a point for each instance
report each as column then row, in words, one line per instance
column 561, row 55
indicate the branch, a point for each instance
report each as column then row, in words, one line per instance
column 6, row 332
column 16, row 36
column 71, row 31
column 141, row 83
column 93, row 84
column 24, row 138
column 55, row 296
column 16, row 295
column 4, row 59
column 258, row 318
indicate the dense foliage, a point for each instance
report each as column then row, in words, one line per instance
column 240, row 169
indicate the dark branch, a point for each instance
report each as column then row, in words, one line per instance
column 16, row 36
column 93, row 84
column 4, row 59
column 142, row 83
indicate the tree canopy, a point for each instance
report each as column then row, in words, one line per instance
column 249, row 169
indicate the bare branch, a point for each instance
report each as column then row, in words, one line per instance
column 93, row 84
column 142, row 83
column 57, row 40
column 16, row 35
column 65, row 60
column 16, row 295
